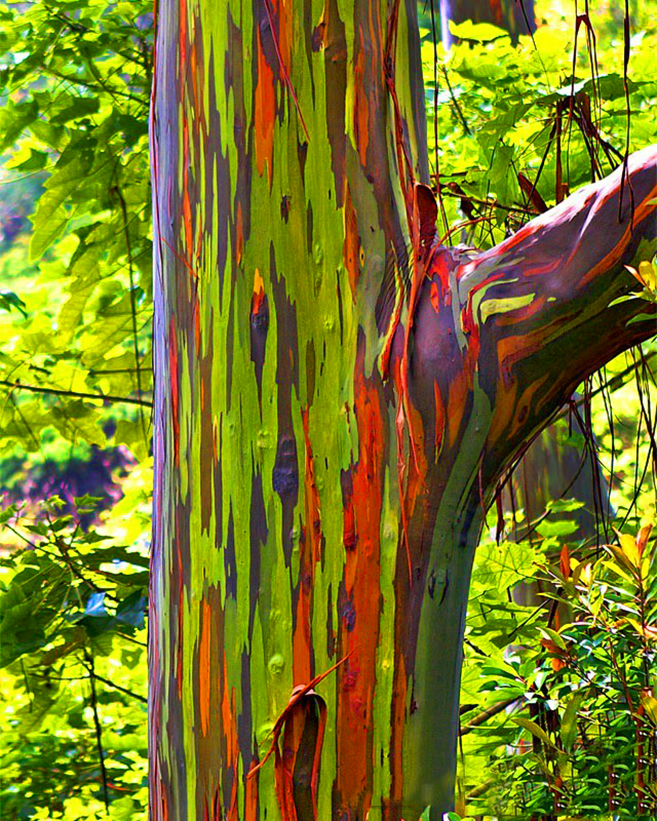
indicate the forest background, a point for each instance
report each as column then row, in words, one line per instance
column 558, row 716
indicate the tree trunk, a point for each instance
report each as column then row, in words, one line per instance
column 336, row 399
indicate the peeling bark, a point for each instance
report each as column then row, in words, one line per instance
column 336, row 399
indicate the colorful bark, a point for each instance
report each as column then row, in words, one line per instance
column 336, row 398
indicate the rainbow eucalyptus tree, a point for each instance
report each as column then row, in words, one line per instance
column 338, row 395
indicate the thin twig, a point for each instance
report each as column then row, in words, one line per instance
column 484, row 715
column 126, row 400
column 124, row 690
column 133, row 306
column 98, row 728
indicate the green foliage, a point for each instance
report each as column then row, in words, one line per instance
column 75, row 81
column 579, row 711
column 518, row 130
column 72, row 660
column 74, row 85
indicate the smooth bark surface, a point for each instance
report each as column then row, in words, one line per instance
column 336, row 400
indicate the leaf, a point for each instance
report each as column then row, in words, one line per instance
column 555, row 637
column 646, row 632
column 642, row 318
column 132, row 609
column 560, row 527
column 533, row 728
column 49, row 222
column 477, row 32
column 502, row 566
column 35, row 162
column 642, row 539
column 122, row 809
column 9, row 300
column 610, row 86
column 649, row 704
column 51, row 216
column 621, row 560
column 78, row 107
column 564, row 505
column 96, row 605
column 629, row 547
column 14, row 119
column 568, row 730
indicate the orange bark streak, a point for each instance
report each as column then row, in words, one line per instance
column 186, row 207
column 360, row 625
column 284, row 11
column 204, row 666
column 311, row 554
column 458, row 390
column 505, row 405
column 251, row 800
column 264, row 115
column 361, row 105
column 351, row 245
column 512, row 349
column 641, row 211
column 258, row 293
column 523, row 404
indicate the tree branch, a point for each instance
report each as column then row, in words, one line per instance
column 56, row 392
column 539, row 307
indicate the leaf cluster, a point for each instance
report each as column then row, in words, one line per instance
column 74, row 82
column 72, row 609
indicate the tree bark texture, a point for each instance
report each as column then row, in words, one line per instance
column 337, row 397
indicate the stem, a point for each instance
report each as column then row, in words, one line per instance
column 98, row 728
column 77, row 394
column 489, row 712
column 133, row 306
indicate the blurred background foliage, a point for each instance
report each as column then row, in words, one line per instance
column 75, row 396
column 558, row 711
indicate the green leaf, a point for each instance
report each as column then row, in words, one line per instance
column 49, row 221
column 14, row 119
column 533, row 728
column 553, row 636
column 568, row 730
column 477, row 32
column 9, row 300
column 79, row 107
column 561, row 527
column 642, row 318
column 564, row 505
column 132, row 609
column 123, row 809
